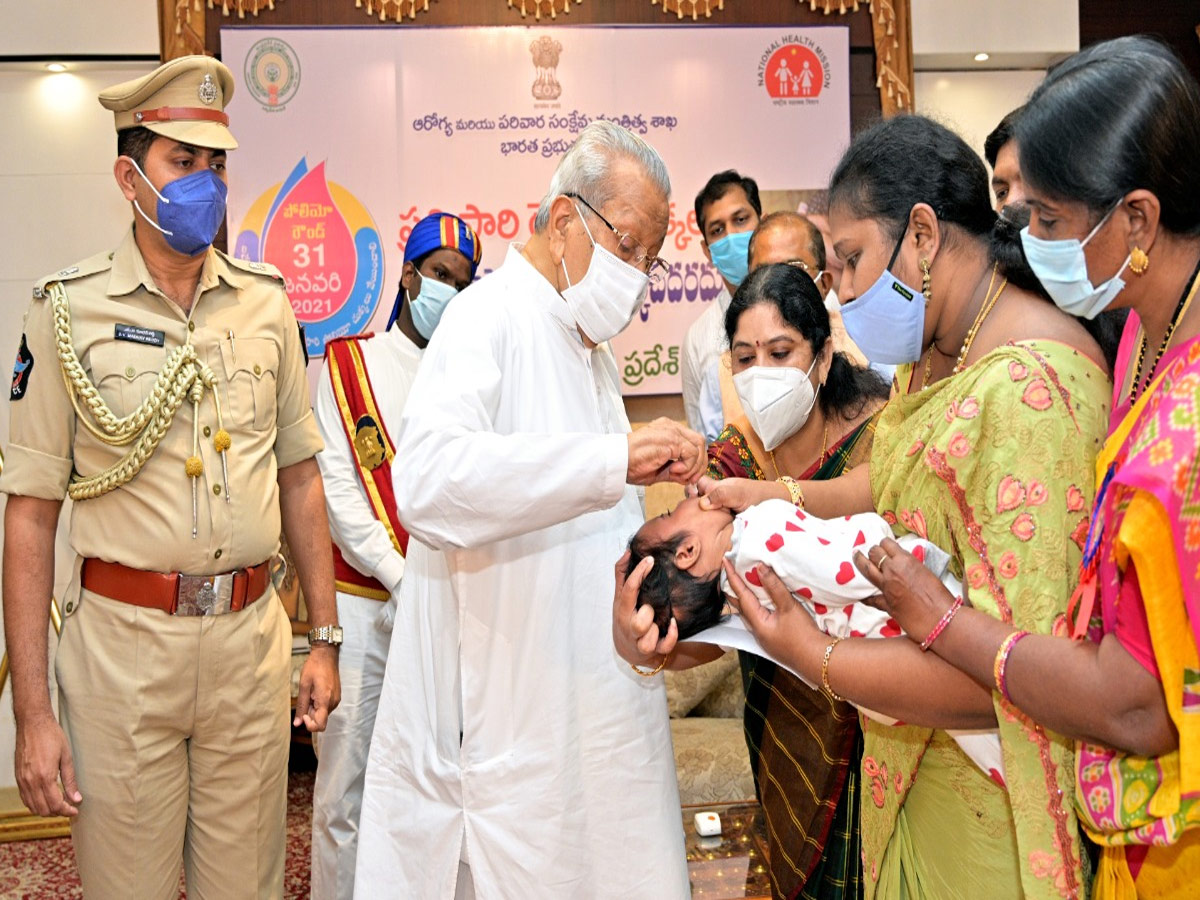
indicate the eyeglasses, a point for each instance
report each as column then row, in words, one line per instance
column 803, row 266
column 630, row 249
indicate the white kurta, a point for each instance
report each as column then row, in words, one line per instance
column 702, row 348
column 391, row 361
column 506, row 714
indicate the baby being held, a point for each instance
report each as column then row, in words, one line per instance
column 813, row 557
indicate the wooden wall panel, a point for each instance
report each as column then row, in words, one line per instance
column 1175, row 21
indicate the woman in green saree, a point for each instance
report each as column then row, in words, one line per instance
column 1115, row 223
column 986, row 450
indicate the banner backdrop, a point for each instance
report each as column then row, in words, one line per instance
column 350, row 136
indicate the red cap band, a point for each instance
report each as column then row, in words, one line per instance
column 179, row 114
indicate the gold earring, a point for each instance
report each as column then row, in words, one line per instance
column 1139, row 262
column 926, row 281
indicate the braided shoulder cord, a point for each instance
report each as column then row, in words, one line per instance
column 183, row 377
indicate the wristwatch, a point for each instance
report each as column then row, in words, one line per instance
column 326, row 634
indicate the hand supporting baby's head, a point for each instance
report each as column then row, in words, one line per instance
column 695, row 601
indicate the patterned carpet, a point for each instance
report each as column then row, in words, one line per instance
column 40, row 870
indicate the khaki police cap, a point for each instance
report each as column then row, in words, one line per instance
column 183, row 99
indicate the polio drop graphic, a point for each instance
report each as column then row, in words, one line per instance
column 326, row 245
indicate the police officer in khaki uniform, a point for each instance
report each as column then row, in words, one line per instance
column 162, row 387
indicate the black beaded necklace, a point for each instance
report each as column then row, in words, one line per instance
column 1189, row 290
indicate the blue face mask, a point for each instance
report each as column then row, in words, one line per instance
column 887, row 321
column 190, row 210
column 1061, row 267
column 731, row 256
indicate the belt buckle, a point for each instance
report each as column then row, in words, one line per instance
column 205, row 595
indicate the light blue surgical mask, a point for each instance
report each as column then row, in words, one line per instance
column 429, row 304
column 887, row 321
column 731, row 256
column 1061, row 267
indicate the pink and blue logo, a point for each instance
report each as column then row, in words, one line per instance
column 326, row 245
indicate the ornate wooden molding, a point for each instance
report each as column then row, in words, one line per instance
column 550, row 8
column 393, row 9
column 694, row 8
column 891, row 21
column 181, row 28
column 179, row 32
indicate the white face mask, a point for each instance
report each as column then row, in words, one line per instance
column 1061, row 267
column 777, row 400
column 604, row 300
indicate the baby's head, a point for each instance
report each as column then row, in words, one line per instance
column 687, row 545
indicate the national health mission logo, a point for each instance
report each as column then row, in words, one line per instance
column 794, row 69
column 324, row 242
column 272, row 73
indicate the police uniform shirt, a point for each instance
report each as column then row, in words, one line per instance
column 123, row 328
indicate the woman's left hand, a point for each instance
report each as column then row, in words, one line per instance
column 908, row 591
column 787, row 632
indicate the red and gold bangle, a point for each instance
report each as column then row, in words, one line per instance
column 942, row 623
column 1000, row 667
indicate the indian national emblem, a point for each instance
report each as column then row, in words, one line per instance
column 545, row 52
column 207, row 91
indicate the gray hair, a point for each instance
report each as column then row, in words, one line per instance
column 585, row 168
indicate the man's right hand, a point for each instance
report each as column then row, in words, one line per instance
column 42, row 754
column 664, row 450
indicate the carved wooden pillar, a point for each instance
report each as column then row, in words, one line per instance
column 180, row 28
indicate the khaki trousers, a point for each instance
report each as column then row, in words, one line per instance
column 180, row 733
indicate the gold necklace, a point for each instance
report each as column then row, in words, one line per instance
column 989, row 301
column 820, row 459
column 928, row 369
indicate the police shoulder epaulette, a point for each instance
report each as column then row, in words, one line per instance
column 254, row 268
column 101, row 262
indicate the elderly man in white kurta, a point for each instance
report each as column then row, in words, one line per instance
column 515, row 754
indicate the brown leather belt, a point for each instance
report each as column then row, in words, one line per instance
column 176, row 594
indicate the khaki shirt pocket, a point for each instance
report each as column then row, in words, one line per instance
column 252, row 370
column 124, row 373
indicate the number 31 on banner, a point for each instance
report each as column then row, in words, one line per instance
column 303, row 255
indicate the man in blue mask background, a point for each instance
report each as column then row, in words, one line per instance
column 440, row 259
column 164, row 391
column 727, row 212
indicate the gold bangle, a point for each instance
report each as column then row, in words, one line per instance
column 662, row 665
column 825, row 671
column 793, row 487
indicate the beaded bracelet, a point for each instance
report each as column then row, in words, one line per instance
column 825, row 671
column 1000, row 667
column 942, row 623
column 793, row 488
column 662, row 665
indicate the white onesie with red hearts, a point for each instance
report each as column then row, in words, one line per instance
column 814, row 558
